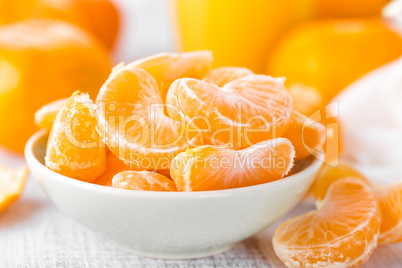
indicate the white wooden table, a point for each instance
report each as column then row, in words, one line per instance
column 33, row 233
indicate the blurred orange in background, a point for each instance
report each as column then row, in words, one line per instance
column 320, row 58
column 42, row 60
column 239, row 33
column 326, row 56
column 349, row 8
column 98, row 17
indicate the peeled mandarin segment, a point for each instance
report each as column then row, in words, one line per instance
column 164, row 172
column 223, row 75
column 309, row 101
column 211, row 168
column 143, row 181
column 74, row 148
column 167, row 67
column 343, row 232
column 328, row 174
column 308, row 137
column 12, row 184
column 241, row 113
column 45, row 116
column 133, row 124
column 390, row 199
column 113, row 166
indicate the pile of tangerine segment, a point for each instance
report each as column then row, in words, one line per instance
column 353, row 217
column 170, row 123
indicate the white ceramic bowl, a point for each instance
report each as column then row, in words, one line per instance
column 169, row 224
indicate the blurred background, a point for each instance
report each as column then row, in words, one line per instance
column 50, row 48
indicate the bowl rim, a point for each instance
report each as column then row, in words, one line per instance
column 34, row 163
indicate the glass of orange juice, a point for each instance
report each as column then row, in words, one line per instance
column 239, row 32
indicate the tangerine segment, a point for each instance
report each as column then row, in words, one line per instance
column 164, row 172
column 329, row 174
column 45, row 116
column 306, row 135
column 223, row 75
column 133, row 124
column 74, row 148
column 241, row 113
column 12, row 183
column 211, row 168
column 113, row 166
column 143, row 181
column 390, row 199
column 341, row 233
column 167, row 67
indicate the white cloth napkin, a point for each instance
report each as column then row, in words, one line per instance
column 370, row 112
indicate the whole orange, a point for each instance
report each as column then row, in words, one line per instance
column 42, row 60
column 349, row 8
column 329, row 55
column 98, row 17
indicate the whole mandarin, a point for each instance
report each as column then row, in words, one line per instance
column 43, row 60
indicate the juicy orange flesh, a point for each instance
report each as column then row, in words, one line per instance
column 113, row 166
column 344, row 231
column 328, row 174
column 306, row 136
column 223, row 75
column 133, row 124
column 45, row 116
column 228, row 114
column 12, row 184
column 167, row 67
column 143, row 181
column 211, row 168
column 74, row 148
column 390, row 199
column 309, row 135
